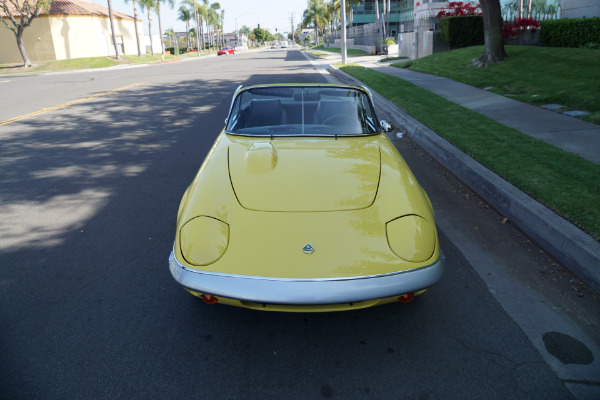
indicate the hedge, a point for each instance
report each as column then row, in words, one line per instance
column 182, row 50
column 462, row 31
column 571, row 32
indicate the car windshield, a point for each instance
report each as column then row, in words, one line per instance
column 302, row 110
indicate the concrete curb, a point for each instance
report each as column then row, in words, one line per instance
column 574, row 248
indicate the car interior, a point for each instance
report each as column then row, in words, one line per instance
column 293, row 111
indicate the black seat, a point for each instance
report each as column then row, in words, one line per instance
column 264, row 112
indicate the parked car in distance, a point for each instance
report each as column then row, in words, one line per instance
column 304, row 204
column 226, row 51
column 284, row 44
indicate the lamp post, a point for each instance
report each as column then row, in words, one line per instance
column 237, row 33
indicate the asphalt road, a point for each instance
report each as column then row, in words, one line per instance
column 88, row 310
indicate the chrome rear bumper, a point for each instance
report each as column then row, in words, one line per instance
column 306, row 291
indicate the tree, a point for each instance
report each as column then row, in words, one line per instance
column 349, row 5
column 170, row 33
column 333, row 11
column 198, row 9
column 193, row 38
column 149, row 5
column 171, row 4
column 112, row 29
column 184, row 14
column 261, row 35
column 27, row 10
column 201, row 14
column 221, row 25
column 493, row 34
column 137, row 35
column 315, row 14
column 212, row 19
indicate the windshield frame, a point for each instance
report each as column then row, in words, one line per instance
column 366, row 106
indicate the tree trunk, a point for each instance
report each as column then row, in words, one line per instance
column 19, row 35
column 197, row 20
column 201, row 35
column 150, row 31
column 137, row 35
column 160, row 32
column 187, row 34
column 112, row 29
column 493, row 34
column 387, row 24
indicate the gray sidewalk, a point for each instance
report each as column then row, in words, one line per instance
column 568, row 133
column 574, row 248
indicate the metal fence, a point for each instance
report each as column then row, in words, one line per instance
column 363, row 35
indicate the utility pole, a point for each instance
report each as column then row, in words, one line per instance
column 343, row 32
column 292, row 21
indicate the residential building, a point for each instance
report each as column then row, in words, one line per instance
column 71, row 29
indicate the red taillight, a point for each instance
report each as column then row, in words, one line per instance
column 406, row 298
column 209, row 299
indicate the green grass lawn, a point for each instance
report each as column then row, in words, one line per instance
column 92, row 62
column 534, row 75
column 338, row 50
column 392, row 59
column 566, row 183
column 318, row 54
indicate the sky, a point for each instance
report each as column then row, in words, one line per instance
column 270, row 14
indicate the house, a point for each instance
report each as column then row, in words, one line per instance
column 71, row 29
column 306, row 32
column 415, row 26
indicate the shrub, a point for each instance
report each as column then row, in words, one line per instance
column 182, row 50
column 462, row 31
column 570, row 32
column 460, row 9
column 513, row 28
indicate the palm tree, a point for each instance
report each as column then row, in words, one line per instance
column 157, row 3
column 170, row 33
column 315, row 14
column 221, row 24
column 149, row 5
column 349, row 5
column 333, row 11
column 185, row 15
column 137, row 35
column 213, row 19
column 203, row 16
column 193, row 37
column 198, row 15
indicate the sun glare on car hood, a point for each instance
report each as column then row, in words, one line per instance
column 305, row 175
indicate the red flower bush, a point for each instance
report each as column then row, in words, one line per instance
column 513, row 28
column 459, row 9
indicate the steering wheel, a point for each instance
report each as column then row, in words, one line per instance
column 335, row 117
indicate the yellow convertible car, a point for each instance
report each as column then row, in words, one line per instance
column 304, row 204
